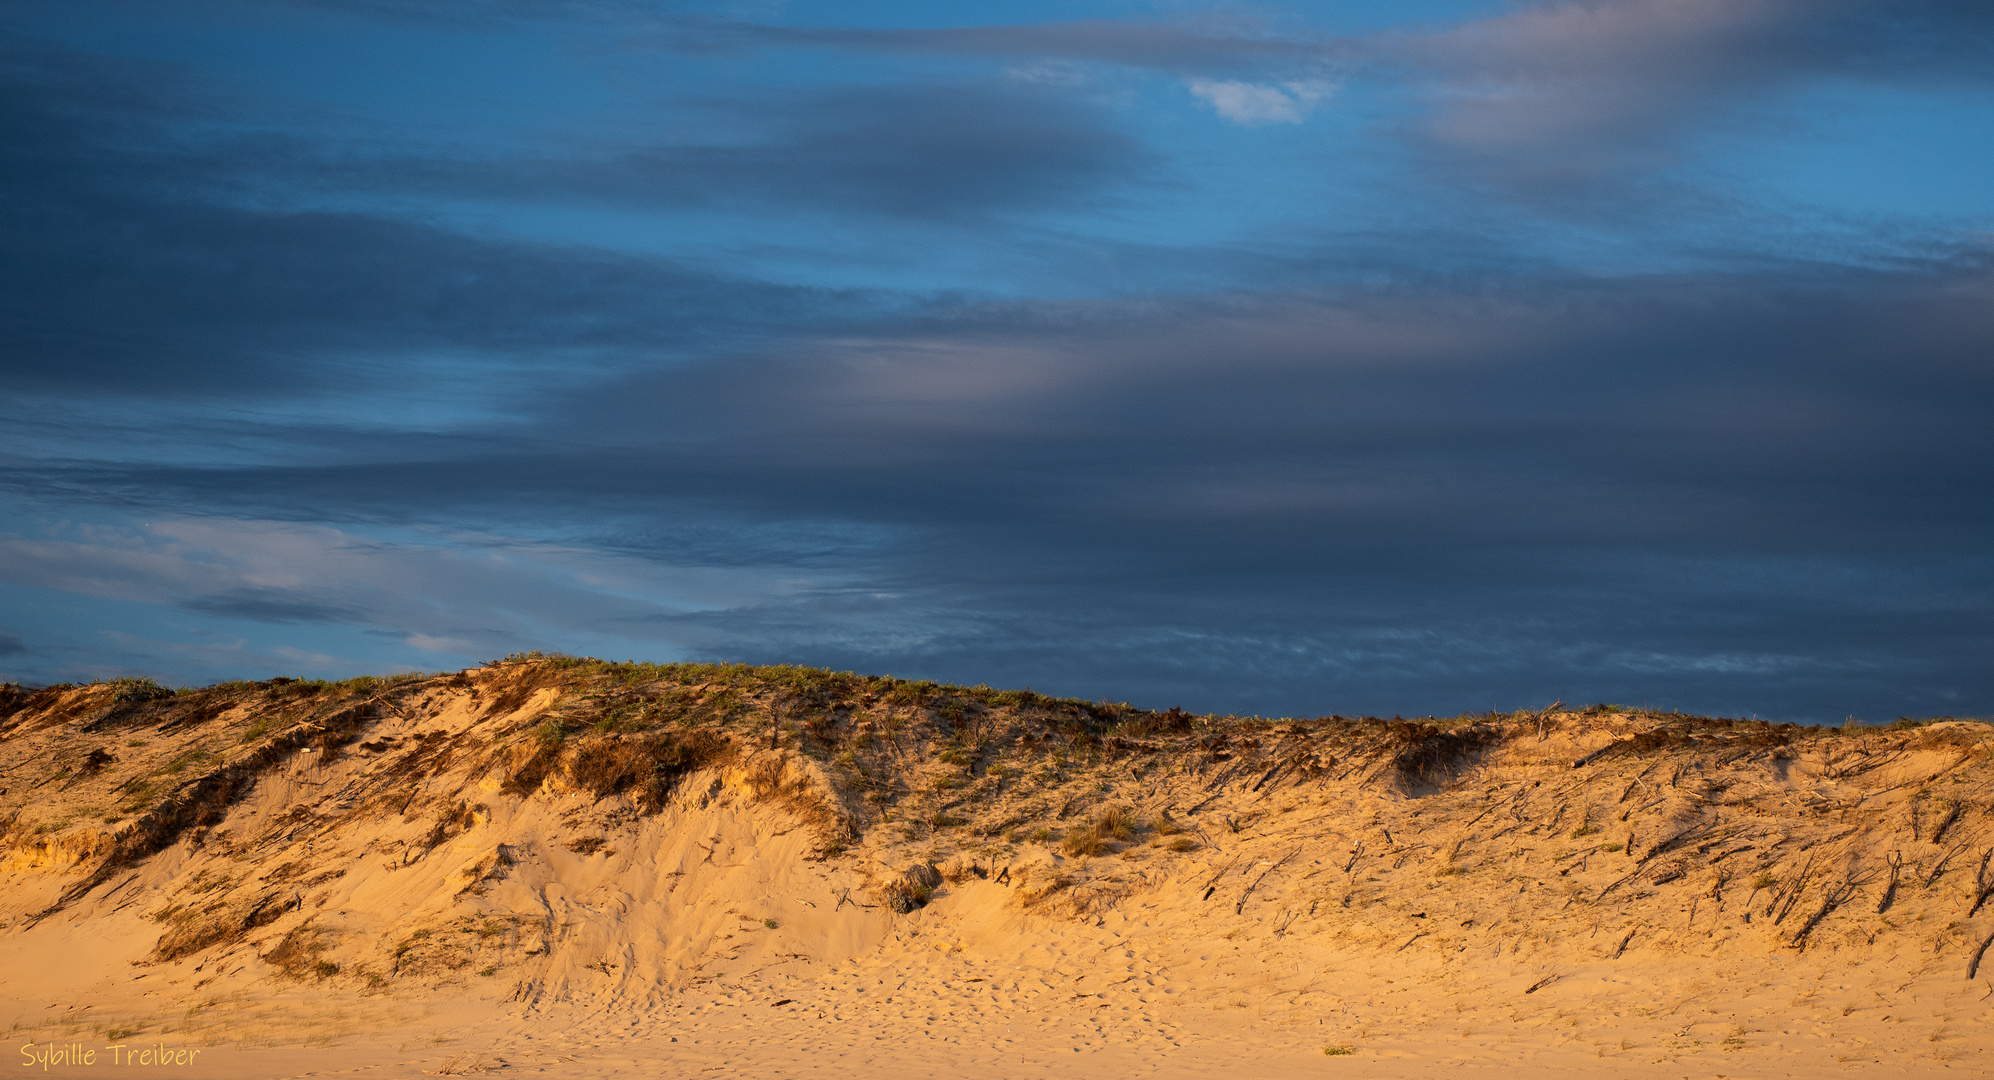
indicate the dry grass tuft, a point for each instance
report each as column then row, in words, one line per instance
column 219, row 924
column 470, row 1063
column 298, row 953
column 1116, row 825
column 1033, row 892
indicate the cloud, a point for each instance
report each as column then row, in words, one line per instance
column 271, row 606
column 1555, row 96
column 1708, row 489
column 1254, row 104
column 133, row 269
column 1207, row 45
column 1564, row 93
column 930, row 150
column 461, row 594
column 1344, row 472
column 127, row 273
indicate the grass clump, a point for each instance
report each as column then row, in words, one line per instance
column 137, row 688
column 904, row 896
column 1339, row 1050
column 1115, row 825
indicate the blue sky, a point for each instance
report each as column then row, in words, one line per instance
column 1392, row 358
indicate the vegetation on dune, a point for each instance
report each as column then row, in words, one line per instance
column 963, row 781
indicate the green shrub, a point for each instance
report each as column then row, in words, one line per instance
column 137, row 688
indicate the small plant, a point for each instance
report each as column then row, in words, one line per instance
column 1183, row 843
column 941, row 819
column 1165, row 825
column 325, row 969
column 489, row 972
column 1583, row 830
column 770, row 923
column 1116, row 823
column 1043, row 835
column 1083, row 843
column 1764, row 881
column 904, row 896
column 550, row 734
column 1609, row 847
column 1339, row 1050
column 133, row 688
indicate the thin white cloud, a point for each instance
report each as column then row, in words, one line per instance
column 462, row 595
column 1257, row 104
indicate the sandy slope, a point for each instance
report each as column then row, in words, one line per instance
column 579, row 871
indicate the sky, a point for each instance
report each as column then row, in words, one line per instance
column 1408, row 357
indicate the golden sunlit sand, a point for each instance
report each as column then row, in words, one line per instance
column 569, row 868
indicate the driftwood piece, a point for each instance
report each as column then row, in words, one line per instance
column 1890, row 890
column 1973, row 966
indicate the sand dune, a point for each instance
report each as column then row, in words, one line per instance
column 577, row 869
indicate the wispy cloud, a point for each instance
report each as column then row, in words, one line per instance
column 1565, row 93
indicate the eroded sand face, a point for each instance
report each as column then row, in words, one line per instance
column 1693, row 900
